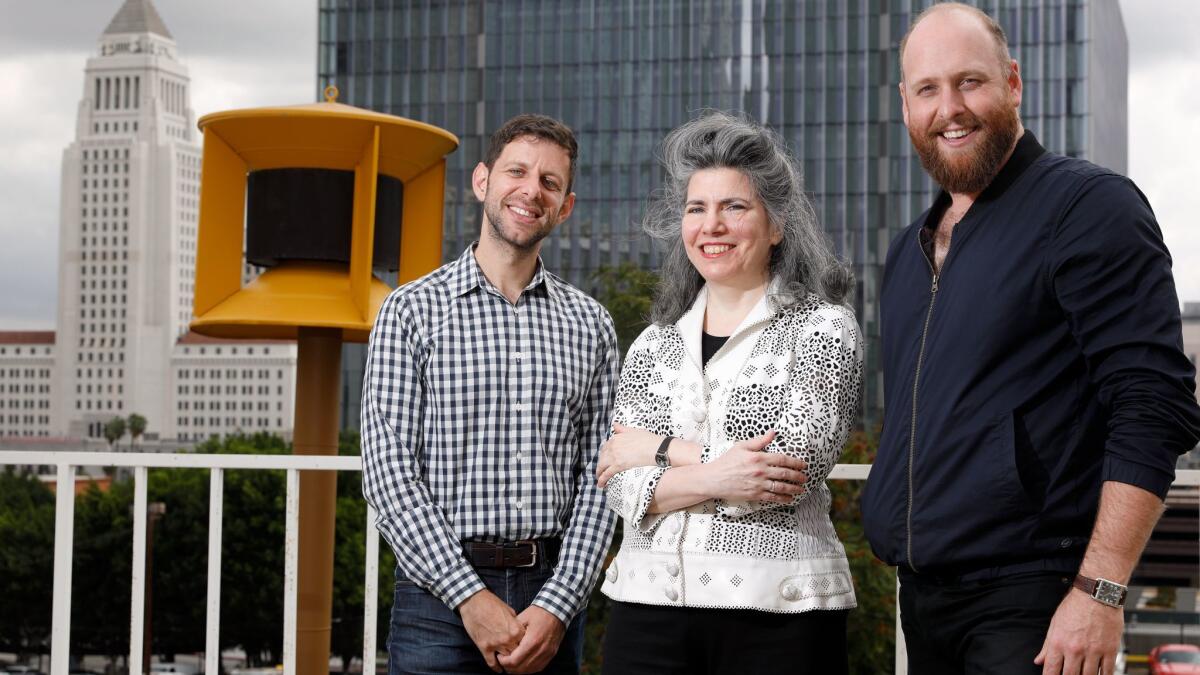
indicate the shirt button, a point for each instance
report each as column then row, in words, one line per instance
column 1065, row 543
column 698, row 415
column 675, row 526
column 518, row 503
column 790, row 592
column 673, row 569
column 518, row 407
column 671, row 594
column 517, row 355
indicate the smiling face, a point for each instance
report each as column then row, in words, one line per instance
column 726, row 230
column 524, row 193
column 959, row 100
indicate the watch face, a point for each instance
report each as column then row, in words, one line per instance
column 1110, row 593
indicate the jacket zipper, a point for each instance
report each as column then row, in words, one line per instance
column 912, row 433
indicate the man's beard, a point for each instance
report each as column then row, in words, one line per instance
column 972, row 171
column 501, row 231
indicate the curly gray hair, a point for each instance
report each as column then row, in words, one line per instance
column 802, row 261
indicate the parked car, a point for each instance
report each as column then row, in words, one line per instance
column 13, row 669
column 1173, row 659
column 170, row 667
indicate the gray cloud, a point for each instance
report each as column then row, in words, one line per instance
column 1161, row 32
column 267, row 30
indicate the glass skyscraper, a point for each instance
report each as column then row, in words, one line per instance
column 624, row 72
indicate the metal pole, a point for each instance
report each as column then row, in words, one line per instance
column 137, row 612
column 370, row 596
column 154, row 512
column 64, row 537
column 216, row 506
column 318, row 387
column 291, row 535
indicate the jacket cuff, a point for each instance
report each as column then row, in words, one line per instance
column 646, row 522
column 1150, row 479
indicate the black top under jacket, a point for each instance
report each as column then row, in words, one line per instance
column 1045, row 359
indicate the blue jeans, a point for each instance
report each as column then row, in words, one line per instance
column 426, row 637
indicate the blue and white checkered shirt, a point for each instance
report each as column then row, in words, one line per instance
column 482, row 420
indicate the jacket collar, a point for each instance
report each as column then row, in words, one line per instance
column 691, row 324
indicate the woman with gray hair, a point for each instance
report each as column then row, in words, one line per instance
column 733, row 407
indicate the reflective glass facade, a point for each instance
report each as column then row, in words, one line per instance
column 624, row 72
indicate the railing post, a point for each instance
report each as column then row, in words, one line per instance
column 901, row 649
column 64, row 538
column 290, row 555
column 370, row 596
column 212, row 638
column 137, row 613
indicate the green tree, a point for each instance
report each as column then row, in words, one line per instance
column 627, row 292
column 349, row 563
column 872, row 625
column 26, row 563
column 101, row 570
column 114, row 430
column 252, row 556
column 137, row 426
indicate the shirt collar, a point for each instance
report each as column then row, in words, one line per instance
column 1026, row 153
column 465, row 276
column 691, row 324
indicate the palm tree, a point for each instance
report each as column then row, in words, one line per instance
column 114, row 430
column 137, row 425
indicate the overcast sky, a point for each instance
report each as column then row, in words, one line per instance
column 263, row 52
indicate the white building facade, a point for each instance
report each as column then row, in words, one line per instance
column 127, row 255
column 26, row 383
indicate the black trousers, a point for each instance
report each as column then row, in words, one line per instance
column 991, row 627
column 694, row 641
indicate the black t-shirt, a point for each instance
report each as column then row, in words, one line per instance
column 709, row 344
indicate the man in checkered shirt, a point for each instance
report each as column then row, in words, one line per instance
column 487, row 395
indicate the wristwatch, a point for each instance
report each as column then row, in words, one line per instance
column 661, row 458
column 1102, row 590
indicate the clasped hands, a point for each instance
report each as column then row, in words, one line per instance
column 744, row 472
column 511, row 642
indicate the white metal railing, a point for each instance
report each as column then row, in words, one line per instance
column 64, row 525
column 141, row 463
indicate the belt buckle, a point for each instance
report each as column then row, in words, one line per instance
column 533, row 552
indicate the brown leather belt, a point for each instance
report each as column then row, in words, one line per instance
column 526, row 553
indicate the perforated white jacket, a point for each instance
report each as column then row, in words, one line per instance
column 796, row 369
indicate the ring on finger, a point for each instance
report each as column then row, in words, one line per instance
column 772, row 487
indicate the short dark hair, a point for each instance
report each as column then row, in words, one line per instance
column 538, row 126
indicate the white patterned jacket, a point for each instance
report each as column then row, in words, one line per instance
column 797, row 370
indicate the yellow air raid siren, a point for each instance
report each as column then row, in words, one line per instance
column 320, row 195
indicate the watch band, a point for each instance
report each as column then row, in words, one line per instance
column 1102, row 590
column 661, row 459
column 1085, row 584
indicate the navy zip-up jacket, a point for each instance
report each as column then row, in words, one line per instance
column 1045, row 358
